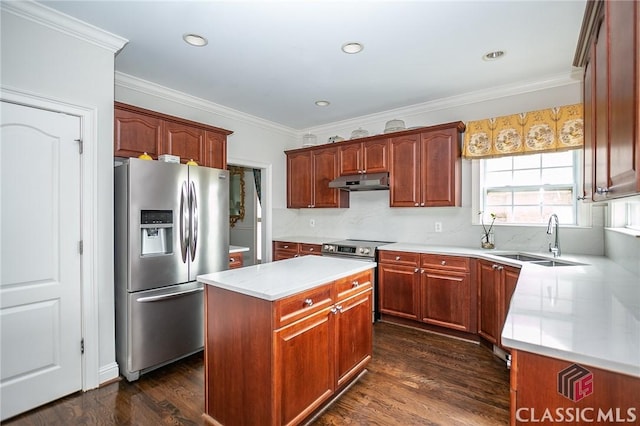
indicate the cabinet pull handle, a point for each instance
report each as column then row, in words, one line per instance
column 339, row 308
column 286, row 246
column 311, row 249
column 602, row 190
column 581, row 198
column 308, row 302
column 355, row 283
column 334, row 310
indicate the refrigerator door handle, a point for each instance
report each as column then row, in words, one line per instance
column 184, row 222
column 168, row 296
column 194, row 220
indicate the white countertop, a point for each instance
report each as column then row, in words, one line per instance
column 237, row 249
column 275, row 280
column 587, row 313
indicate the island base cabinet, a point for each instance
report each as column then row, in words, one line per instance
column 278, row 362
column 305, row 348
column 354, row 336
column 547, row 390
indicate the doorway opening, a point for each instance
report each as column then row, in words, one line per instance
column 250, row 199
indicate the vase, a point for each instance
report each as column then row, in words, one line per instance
column 487, row 241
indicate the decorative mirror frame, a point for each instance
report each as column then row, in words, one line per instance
column 236, row 173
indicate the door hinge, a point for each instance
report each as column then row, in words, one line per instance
column 80, row 145
column 82, row 345
column 81, row 247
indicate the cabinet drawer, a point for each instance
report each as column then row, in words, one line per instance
column 353, row 284
column 300, row 305
column 285, row 245
column 399, row 258
column 450, row 263
column 310, row 249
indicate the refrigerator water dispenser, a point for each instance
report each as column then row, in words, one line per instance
column 156, row 232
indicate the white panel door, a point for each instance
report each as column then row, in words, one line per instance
column 40, row 322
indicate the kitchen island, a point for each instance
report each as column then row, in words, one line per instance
column 282, row 339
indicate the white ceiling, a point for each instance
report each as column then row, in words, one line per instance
column 274, row 59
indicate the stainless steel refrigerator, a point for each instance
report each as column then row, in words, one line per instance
column 171, row 224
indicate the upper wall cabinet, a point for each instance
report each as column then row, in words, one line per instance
column 137, row 130
column 309, row 172
column 423, row 165
column 425, row 168
column 608, row 49
column 363, row 157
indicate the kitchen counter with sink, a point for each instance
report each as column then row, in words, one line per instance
column 583, row 309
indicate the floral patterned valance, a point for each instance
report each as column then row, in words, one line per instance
column 553, row 129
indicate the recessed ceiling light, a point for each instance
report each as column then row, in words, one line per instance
column 352, row 47
column 492, row 56
column 322, row 103
column 195, row 40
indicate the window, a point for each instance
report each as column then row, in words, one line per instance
column 633, row 215
column 527, row 189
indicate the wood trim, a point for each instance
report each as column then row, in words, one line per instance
column 132, row 108
column 458, row 125
column 590, row 23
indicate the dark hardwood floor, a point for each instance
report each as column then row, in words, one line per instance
column 415, row 378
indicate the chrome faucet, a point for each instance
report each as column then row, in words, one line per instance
column 554, row 229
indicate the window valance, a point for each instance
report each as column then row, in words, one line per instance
column 553, row 129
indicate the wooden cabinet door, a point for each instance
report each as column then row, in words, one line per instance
column 404, row 167
column 601, row 94
column 440, row 168
column 135, row 134
column 306, row 353
column 589, row 127
column 488, row 301
column 299, row 176
column 354, row 335
column 184, row 141
column 398, row 288
column 349, row 159
column 375, row 156
column 445, row 299
column 325, row 169
column 624, row 140
column 510, row 279
column 215, row 150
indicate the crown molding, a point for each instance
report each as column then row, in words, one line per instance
column 149, row 88
column 43, row 15
column 484, row 95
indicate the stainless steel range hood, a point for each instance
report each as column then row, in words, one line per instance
column 364, row 182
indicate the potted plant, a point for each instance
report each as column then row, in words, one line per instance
column 487, row 241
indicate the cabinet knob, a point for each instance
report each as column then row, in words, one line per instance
column 231, row 260
column 397, row 257
column 355, row 283
column 286, row 246
column 339, row 308
column 444, row 262
column 308, row 302
column 311, row 249
column 421, row 204
column 602, row 190
column 500, row 268
column 416, row 270
column 334, row 310
column 494, row 266
column 416, row 204
column 296, row 255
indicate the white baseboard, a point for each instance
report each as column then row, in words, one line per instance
column 109, row 373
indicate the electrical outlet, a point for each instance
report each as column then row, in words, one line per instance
column 438, row 227
column 312, row 222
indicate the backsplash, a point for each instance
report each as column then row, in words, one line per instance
column 371, row 218
column 623, row 249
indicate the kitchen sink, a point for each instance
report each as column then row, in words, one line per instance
column 554, row 263
column 522, row 257
column 537, row 260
